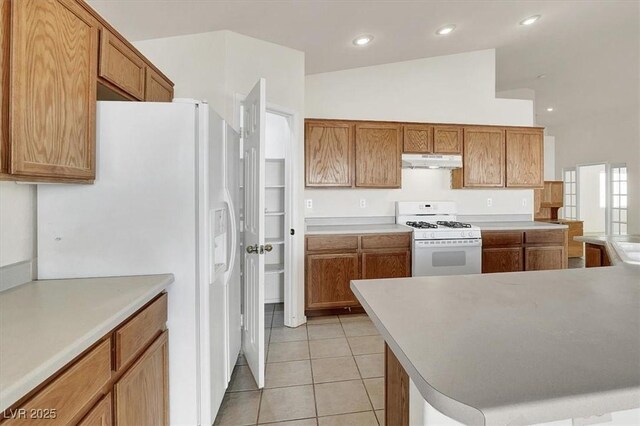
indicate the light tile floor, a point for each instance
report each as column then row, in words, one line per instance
column 328, row 372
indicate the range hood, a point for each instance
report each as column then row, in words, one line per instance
column 431, row 161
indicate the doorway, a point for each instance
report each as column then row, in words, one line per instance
column 592, row 198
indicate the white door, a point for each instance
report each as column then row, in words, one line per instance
column 254, row 110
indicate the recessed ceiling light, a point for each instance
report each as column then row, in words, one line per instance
column 550, row 109
column 541, row 76
column 530, row 20
column 362, row 40
column 447, row 29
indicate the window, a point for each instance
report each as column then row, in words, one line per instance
column 619, row 199
column 570, row 210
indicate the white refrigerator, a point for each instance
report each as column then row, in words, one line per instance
column 164, row 201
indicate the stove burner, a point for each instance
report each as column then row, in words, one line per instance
column 421, row 225
column 452, row 224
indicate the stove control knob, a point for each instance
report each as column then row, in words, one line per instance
column 433, row 235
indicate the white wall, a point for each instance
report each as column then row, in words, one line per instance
column 610, row 136
column 17, row 223
column 591, row 189
column 447, row 89
column 549, row 157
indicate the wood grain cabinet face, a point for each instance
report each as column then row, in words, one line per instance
column 328, row 279
column 101, row 414
column 386, row 264
column 121, row 66
column 328, row 154
column 447, row 139
column 5, row 18
column 54, row 53
column 544, row 258
column 157, row 89
column 525, row 158
column 378, row 155
column 417, row 138
column 504, row 259
column 141, row 394
column 483, row 157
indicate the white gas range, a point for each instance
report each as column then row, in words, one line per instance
column 441, row 245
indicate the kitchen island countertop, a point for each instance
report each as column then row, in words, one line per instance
column 521, row 347
column 45, row 324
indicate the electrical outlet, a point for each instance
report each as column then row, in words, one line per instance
column 489, row 202
column 309, row 203
column 363, row 203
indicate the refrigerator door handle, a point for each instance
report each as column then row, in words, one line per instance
column 233, row 229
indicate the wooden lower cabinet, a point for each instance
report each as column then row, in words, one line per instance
column 396, row 390
column 142, row 394
column 328, row 279
column 595, row 256
column 544, row 258
column 386, row 264
column 513, row 251
column 101, row 414
column 332, row 261
column 90, row 391
column 502, row 259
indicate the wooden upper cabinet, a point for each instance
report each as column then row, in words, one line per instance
column 447, row 139
column 142, row 394
column 378, row 155
column 5, row 18
column 417, row 138
column 483, row 157
column 157, row 88
column 525, row 158
column 121, row 66
column 328, row 154
column 54, row 56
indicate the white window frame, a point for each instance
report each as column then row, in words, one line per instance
column 618, row 200
column 570, row 210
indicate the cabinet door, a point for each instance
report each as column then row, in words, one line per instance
column 328, row 154
column 386, row 264
column 100, row 415
column 525, row 158
column 328, row 280
column 5, row 16
column 417, row 138
column 483, row 157
column 575, row 230
column 544, row 258
column 507, row 259
column 378, row 155
column 447, row 140
column 157, row 89
column 141, row 394
column 54, row 53
column 121, row 66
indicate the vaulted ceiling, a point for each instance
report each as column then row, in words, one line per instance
column 588, row 51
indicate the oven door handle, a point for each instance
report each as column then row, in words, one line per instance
column 447, row 244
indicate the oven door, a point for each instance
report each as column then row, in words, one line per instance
column 446, row 257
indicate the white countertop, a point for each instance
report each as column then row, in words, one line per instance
column 46, row 324
column 517, row 226
column 621, row 248
column 357, row 229
column 522, row 347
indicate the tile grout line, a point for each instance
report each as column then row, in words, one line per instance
column 313, row 382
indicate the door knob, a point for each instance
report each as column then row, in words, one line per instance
column 268, row 247
column 252, row 249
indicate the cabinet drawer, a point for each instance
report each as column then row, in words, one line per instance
column 121, row 66
column 544, row 237
column 134, row 336
column 72, row 390
column 332, row 242
column 501, row 239
column 386, row 241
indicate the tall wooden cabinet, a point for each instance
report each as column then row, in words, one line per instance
column 57, row 57
column 378, row 155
